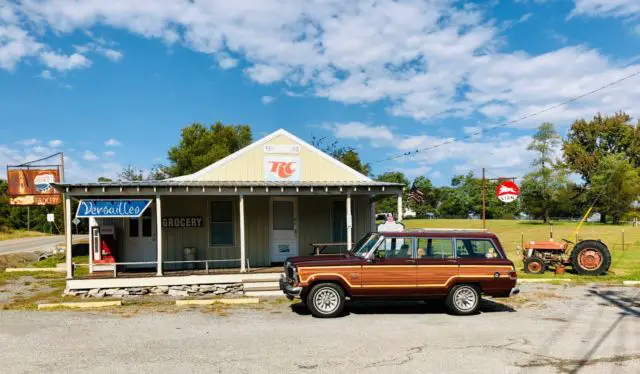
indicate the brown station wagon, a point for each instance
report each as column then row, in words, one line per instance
column 453, row 265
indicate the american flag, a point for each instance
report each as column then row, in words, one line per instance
column 416, row 194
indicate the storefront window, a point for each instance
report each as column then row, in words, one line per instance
column 221, row 227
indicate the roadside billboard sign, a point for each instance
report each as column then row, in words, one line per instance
column 33, row 185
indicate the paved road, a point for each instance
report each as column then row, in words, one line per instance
column 569, row 330
column 30, row 244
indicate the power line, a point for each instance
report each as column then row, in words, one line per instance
column 9, row 156
column 530, row 115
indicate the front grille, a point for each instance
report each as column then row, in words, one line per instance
column 290, row 272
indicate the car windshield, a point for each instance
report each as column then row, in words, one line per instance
column 365, row 244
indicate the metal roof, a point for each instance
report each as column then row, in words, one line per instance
column 174, row 183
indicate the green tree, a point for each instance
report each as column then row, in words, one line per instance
column 4, row 206
column 430, row 197
column 390, row 204
column 104, row 180
column 347, row 155
column 589, row 142
column 130, row 174
column 540, row 187
column 200, row 146
column 617, row 185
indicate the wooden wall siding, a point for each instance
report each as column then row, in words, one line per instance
column 249, row 166
column 314, row 222
column 256, row 217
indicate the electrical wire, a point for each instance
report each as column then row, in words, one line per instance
column 530, row 115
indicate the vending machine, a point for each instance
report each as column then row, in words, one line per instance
column 104, row 247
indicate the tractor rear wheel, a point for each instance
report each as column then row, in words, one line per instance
column 590, row 257
column 534, row 265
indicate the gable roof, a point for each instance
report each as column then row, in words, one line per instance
column 198, row 176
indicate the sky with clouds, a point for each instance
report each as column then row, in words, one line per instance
column 111, row 83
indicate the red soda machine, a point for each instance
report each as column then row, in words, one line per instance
column 105, row 246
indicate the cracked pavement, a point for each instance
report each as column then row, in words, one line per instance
column 546, row 329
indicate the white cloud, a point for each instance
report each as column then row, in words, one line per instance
column 64, row 62
column 55, row 143
column 29, row 142
column 109, row 154
column 111, row 54
column 46, row 74
column 226, row 62
column 89, row 156
column 358, row 131
column 112, row 142
column 603, row 8
column 99, row 48
column 264, row 74
column 16, row 44
column 266, row 100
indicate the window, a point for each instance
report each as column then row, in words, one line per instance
column 134, row 227
column 476, row 248
column 221, row 228
column 283, row 215
column 147, row 224
column 435, row 248
column 391, row 248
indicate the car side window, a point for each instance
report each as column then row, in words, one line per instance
column 434, row 248
column 476, row 248
column 391, row 248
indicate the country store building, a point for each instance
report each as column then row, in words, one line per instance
column 234, row 221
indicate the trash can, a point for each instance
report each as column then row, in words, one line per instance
column 190, row 254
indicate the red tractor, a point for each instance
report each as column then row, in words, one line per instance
column 588, row 257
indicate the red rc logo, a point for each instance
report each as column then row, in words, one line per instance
column 283, row 169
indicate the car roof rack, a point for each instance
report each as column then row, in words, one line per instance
column 446, row 229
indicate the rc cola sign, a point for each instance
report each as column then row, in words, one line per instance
column 112, row 208
column 282, row 168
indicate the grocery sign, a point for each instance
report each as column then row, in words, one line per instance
column 29, row 186
column 507, row 191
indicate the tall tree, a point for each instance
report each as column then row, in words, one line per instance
column 200, row 146
column 130, row 174
column 589, row 142
column 347, row 155
column 542, row 184
column 617, row 185
column 430, row 197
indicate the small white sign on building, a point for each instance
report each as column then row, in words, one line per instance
column 51, row 217
column 282, row 168
column 292, row 149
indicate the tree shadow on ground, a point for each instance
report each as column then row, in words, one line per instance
column 405, row 307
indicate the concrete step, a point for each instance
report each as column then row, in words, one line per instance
column 264, row 294
column 272, row 279
column 261, row 286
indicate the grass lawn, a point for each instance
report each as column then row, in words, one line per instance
column 625, row 263
column 19, row 234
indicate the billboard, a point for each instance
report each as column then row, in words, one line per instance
column 33, row 186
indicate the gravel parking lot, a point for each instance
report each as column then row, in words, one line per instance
column 546, row 329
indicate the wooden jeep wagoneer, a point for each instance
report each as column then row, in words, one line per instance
column 454, row 265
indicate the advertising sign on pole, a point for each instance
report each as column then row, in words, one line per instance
column 33, row 186
column 507, row 191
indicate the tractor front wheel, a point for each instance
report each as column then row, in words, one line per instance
column 534, row 265
column 590, row 257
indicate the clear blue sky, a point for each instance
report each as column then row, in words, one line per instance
column 111, row 83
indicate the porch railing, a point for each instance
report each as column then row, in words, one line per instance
column 155, row 263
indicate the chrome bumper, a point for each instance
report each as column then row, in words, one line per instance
column 514, row 291
column 288, row 289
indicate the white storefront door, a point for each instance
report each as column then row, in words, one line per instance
column 140, row 245
column 284, row 228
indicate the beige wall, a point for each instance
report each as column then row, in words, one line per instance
column 249, row 166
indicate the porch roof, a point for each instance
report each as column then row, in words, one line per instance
column 228, row 187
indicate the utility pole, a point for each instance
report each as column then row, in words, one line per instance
column 484, row 200
column 28, row 218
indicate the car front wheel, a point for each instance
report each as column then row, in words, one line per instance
column 464, row 299
column 326, row 300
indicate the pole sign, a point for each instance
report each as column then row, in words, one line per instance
column 33, row 186
column 112, row 208
column 507, row 191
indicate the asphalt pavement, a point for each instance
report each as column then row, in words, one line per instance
column 546, row 329
column 35, row 244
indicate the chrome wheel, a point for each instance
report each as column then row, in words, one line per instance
column 326, row 300
column 465, row 298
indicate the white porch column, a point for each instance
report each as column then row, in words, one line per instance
column 159, row 234
column 243, row 254
column 92, row 223
column 400, row 207
column 67, row 233
column 349, row 223
column 372, row 215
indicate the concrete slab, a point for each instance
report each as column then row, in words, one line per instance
column 542, row 280
column 35, row 270
column 83, row 305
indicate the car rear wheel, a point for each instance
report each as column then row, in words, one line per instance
column 464, row 299
column 326, row 300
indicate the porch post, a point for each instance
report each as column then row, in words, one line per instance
column 243, row 257
column 67, row 233
column 400, row 207
column 349, row 223
column 92, row 224
column 159, row 234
